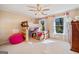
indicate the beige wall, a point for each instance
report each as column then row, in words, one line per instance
column 72, row 13
column 8, row 22
column 50, row 19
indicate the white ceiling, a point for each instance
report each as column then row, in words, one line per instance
column 23, row 9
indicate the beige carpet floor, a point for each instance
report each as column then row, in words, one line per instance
column 49, row 46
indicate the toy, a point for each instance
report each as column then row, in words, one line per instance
column 34, row 35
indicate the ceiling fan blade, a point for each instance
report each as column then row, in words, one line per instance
column 35, row 13
column 45, row 9
column 32, row 10
column 43, row 13
column 31, row 6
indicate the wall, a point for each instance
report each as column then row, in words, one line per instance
column 50, row 19
column 9, row 22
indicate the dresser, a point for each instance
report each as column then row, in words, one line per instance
column 75, row 36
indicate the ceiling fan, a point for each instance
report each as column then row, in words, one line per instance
column 38, row 10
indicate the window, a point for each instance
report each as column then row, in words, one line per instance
column 59, row 25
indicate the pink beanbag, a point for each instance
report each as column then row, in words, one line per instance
column 16, row 38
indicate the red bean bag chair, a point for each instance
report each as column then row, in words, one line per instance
column 16, row 38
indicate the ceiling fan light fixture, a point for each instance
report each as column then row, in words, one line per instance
column 39, row 10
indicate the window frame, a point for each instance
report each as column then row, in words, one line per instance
column 64, row 23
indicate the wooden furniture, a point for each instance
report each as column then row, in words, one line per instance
column 75, row 36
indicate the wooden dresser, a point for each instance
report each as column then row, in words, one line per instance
column 75, row 36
